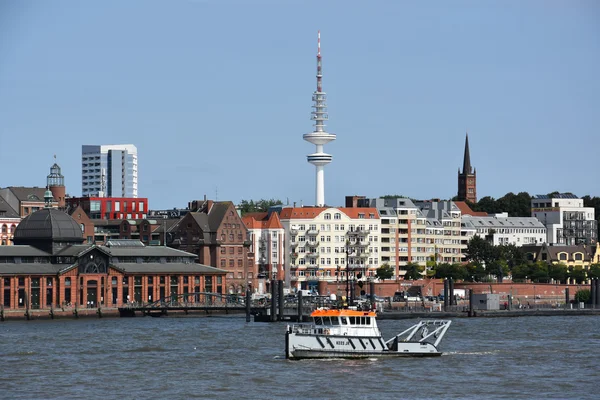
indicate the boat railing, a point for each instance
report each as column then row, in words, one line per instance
column 430, row 331
column 308, row 329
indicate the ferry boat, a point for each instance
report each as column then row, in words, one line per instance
column 351, row 333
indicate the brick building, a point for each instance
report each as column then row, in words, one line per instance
column 52, row 267
column 216, row 233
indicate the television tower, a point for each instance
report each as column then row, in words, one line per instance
column 319, row 137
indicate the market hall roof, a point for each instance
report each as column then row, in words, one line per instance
column 48, row 224
column 166, row 268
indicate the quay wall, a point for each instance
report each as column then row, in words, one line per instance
column 523, row 292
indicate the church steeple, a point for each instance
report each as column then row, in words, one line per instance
column 467, row 179
column 467, row 159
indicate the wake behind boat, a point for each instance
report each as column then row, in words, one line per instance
column 351, row 333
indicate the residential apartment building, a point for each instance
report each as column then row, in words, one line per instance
column 267, row 247
column 501, row 229
column 455, row 236
column 566, row 220
column 109, row 170
column 329, row 244
column 417, row 232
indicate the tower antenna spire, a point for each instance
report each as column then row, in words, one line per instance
column 319, row 136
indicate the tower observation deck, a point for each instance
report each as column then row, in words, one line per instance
column 319, row 136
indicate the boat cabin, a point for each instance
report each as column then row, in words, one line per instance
column 344, row 322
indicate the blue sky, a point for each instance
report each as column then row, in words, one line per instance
column 216, row 95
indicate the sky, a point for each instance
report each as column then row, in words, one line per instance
column 216, row 95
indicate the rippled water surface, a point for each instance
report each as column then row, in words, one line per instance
column 223, row 357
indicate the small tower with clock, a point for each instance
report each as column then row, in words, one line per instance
column 467, row 179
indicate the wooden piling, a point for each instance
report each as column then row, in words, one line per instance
column 248, row 304
column 280, row 300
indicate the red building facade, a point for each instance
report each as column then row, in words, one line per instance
column 111, row 207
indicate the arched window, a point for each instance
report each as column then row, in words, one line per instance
column 4, row 228
column 12, row 228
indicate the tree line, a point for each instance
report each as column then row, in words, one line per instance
column 486, row 262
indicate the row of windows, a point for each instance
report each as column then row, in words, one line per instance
column 224, row 250
column 231, row 263
column 7, row 229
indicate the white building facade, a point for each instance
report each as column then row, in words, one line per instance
column 109, row 170
column 504, row 230
column 267, row 245
column 327, row 243
column 566, row 220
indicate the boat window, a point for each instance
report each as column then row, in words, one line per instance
column 368, row 320
column 335, row 321
column 318, row 321
column 352, row 320
column 344, row 320
column 326, row 321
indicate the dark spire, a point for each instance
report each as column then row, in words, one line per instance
column 467, row 159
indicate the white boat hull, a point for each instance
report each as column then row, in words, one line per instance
column 299, row 346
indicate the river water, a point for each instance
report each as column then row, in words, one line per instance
column 224, row 357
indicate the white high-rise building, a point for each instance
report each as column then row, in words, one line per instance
column 319, row 137
column 567, row 221
column 109, row 170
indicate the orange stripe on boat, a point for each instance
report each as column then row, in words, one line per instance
column 342, row 313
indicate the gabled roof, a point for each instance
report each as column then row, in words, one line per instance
column 588, row 251
column 466, row 210
column 169, row 223
column 217, row 213
column 262, row 220
column 22, row 193
column 6, row 210
column 313, row 212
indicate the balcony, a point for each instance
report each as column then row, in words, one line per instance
column 294, row 231
column 312, row 243
column 312, row 232
column 358, row 232
column 313, row 253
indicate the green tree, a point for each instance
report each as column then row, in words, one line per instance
column 384, row 272
column 583, row 295
column 413, row 271
column 475, row 272
column 454, row 271
column 498, row 268
column 539, row 272
column 558, row 272
column 520, row 272
column 577, row 274
column 479, row 251
column 261, row 205
column 594, row 271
